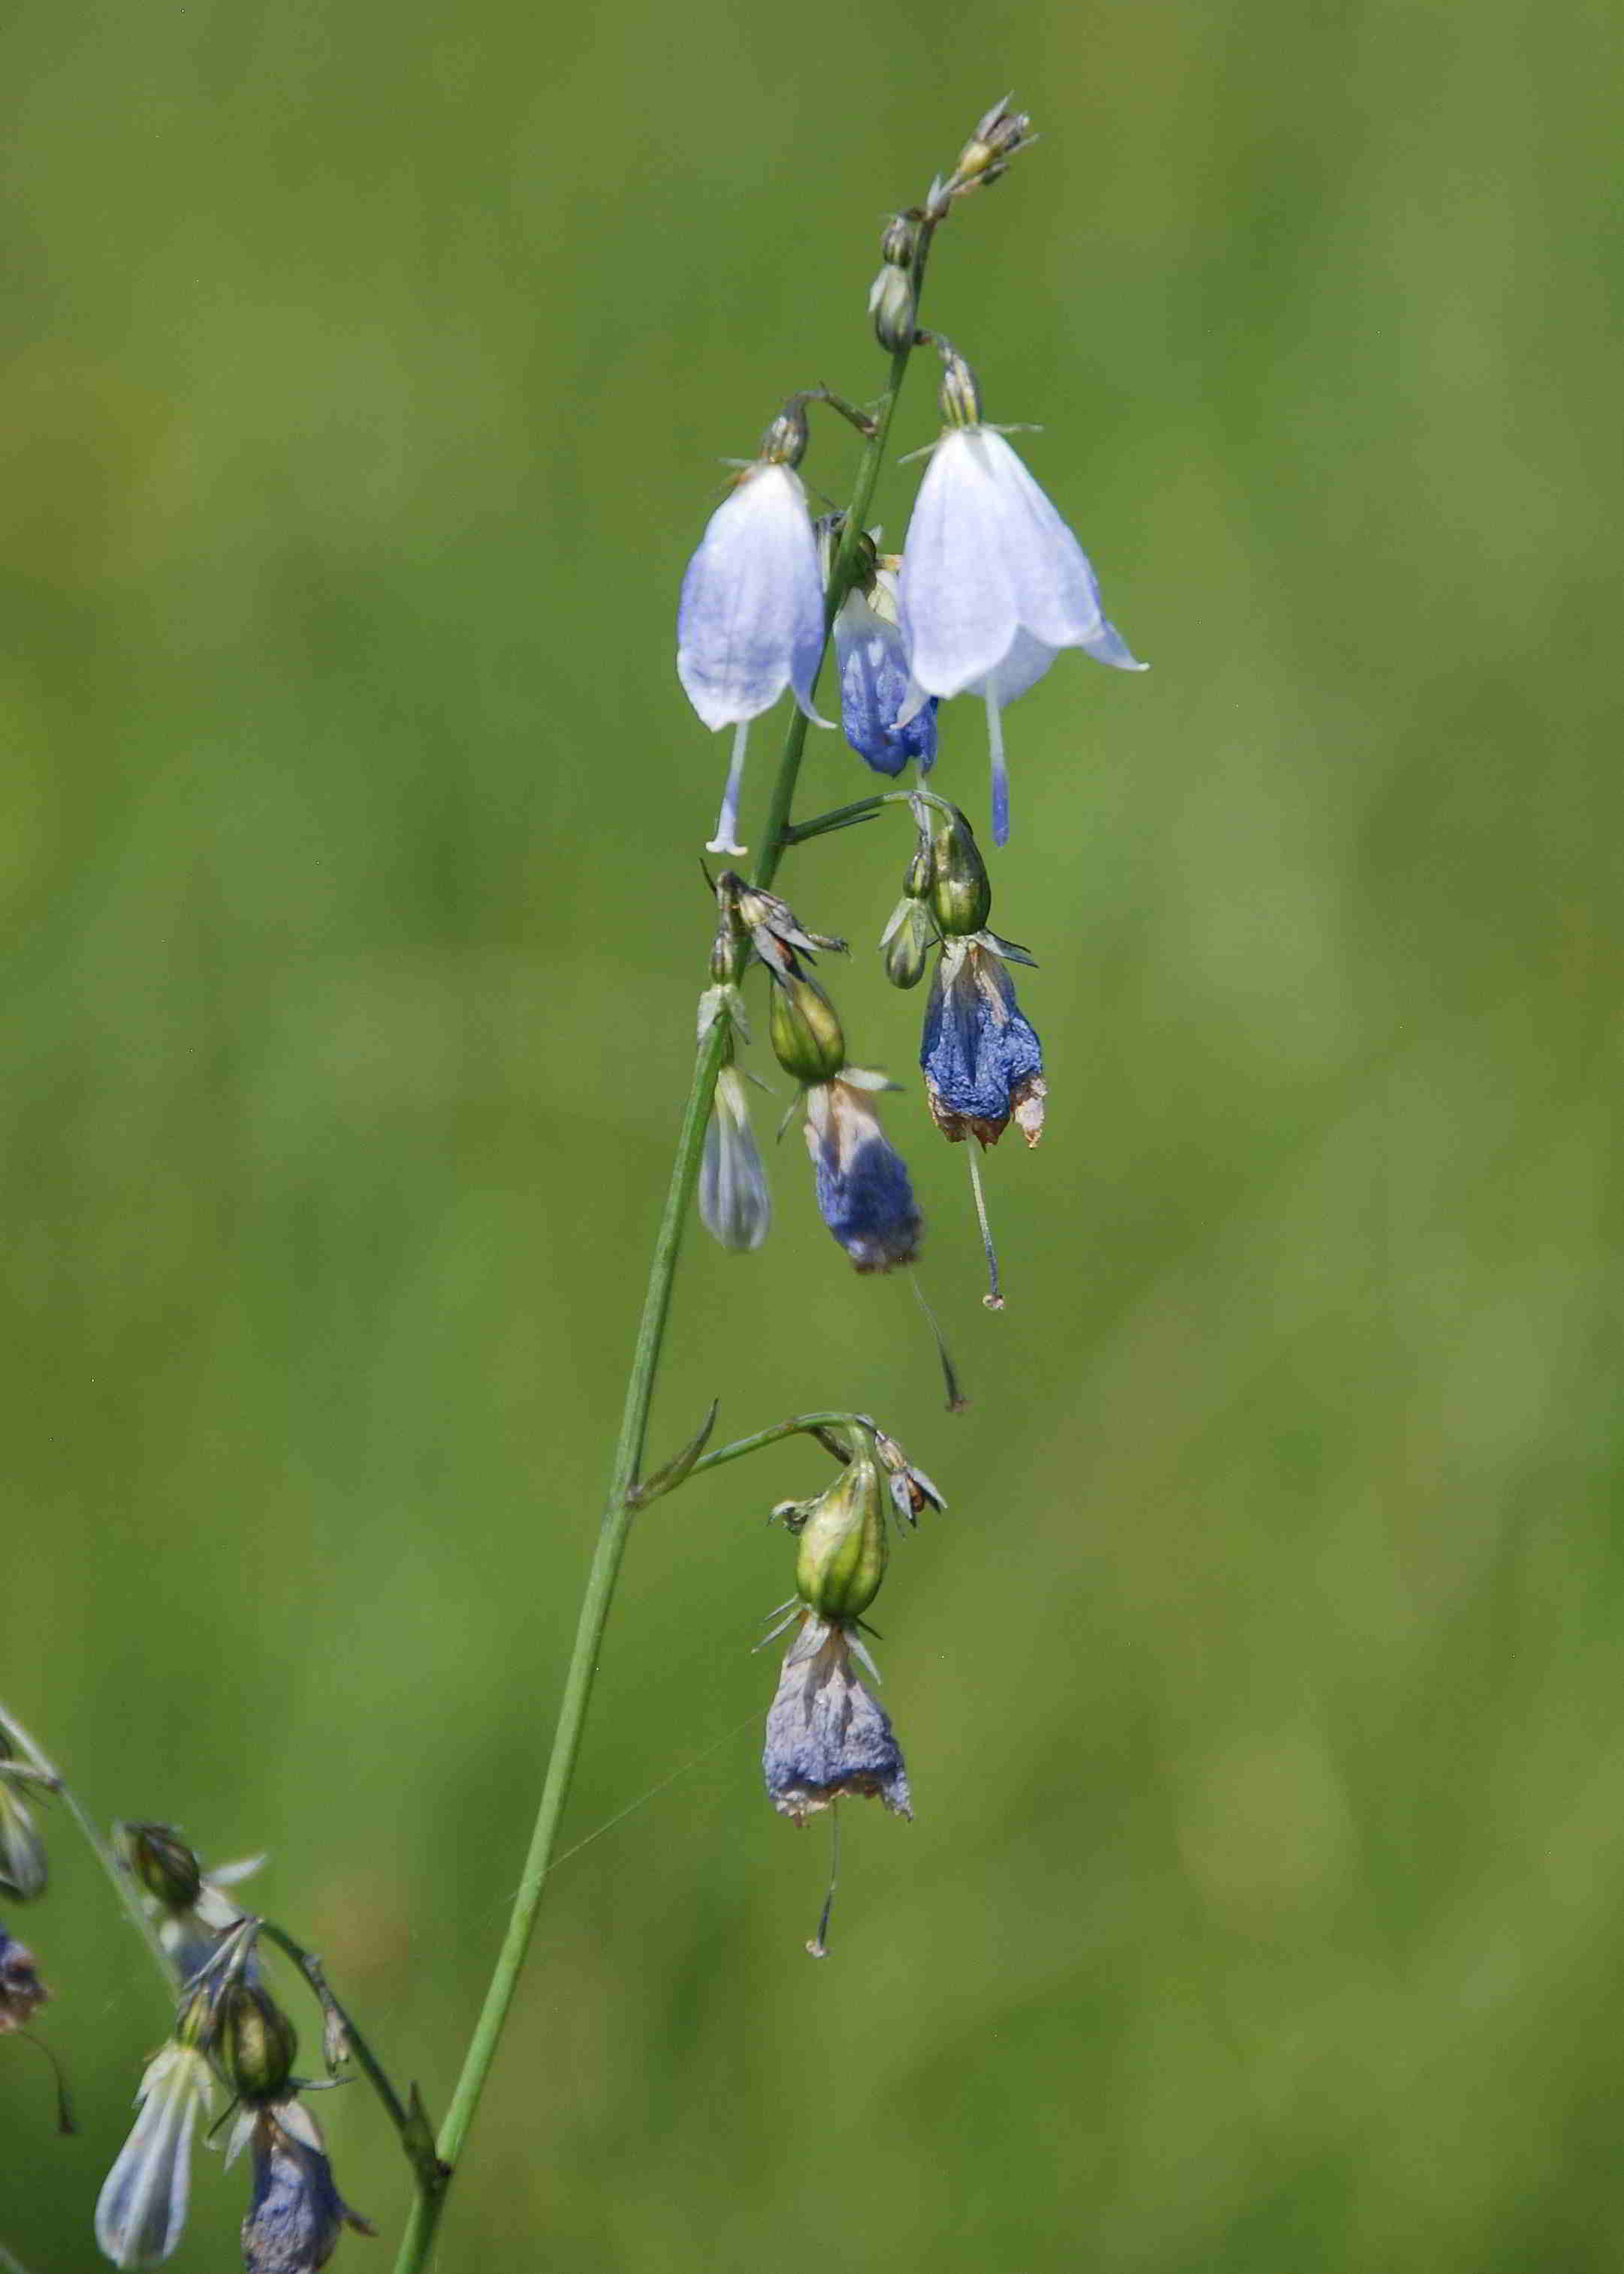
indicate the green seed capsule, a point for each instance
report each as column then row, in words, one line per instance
column 163, row 1863
column 843, row 1546
column 908, row 947
column 257, row 2041
column 960, row 889
column 804, row 1027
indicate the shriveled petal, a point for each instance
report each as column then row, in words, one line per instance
column 296, row 2213
column 141, row 2211
column 981, row 1059
column 873, row 690
column 751, row 621
column 864, row 1194
column 827, row 1737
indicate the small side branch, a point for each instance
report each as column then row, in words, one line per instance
column 341, row 2039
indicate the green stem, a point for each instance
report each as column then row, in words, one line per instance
column 123, row 1885
column 417, row 2140
column 613, row 1532
column 845, row 816
column 799, row 1425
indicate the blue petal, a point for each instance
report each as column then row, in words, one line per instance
column 873, row 688
column 869, row 1205
column 974, row 1058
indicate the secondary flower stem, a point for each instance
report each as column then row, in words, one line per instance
column 617, row 1519
column 417, row 2140
column 799, row 1425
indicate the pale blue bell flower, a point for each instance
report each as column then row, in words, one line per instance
column 993, row 586
column 750, row 620
column 735, row 1205
column 141, row 2211
column 864, row 1194
column 874, row 683
column 296, row 2214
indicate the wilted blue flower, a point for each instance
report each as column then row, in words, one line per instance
column 874, row 684
column 296, row 2215
column 141, row 2211
column 751, row 621
column 863, row 1192
column 993, row 584
column 21, row 1989
column 982, row 1062
column 826, row 1736
column 734, row 1203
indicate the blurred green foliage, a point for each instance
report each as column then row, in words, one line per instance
column 366, row 377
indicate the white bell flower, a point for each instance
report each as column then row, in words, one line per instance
column 993, row 586
column 751, row 621
column 141, row 2212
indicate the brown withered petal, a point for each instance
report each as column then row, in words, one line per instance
column 826, row 1737
column 21, row 1989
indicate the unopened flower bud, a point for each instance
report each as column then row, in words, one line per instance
column 843, row 1544
column 901, row 241
column 893, row 307
column 996, row 140
column 784, row 442
column 960, row 889
column 257, row 2041
column 163, row 1863
column 909, row 939
column 804, row 1027
column 958, row 394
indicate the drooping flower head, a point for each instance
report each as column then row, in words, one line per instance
column 993, row 583
column 864, row 1192
column 875, row 682
column 296, row 2214
column 982, row 1062
column 21, row 1989
column 827, row 1737
column 141, row 2211
column 750, row 620
column 734, row 1203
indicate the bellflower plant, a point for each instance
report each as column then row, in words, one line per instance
column 993, row 584
column 990, row 586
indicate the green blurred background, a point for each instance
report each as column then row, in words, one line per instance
column 366, row 377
